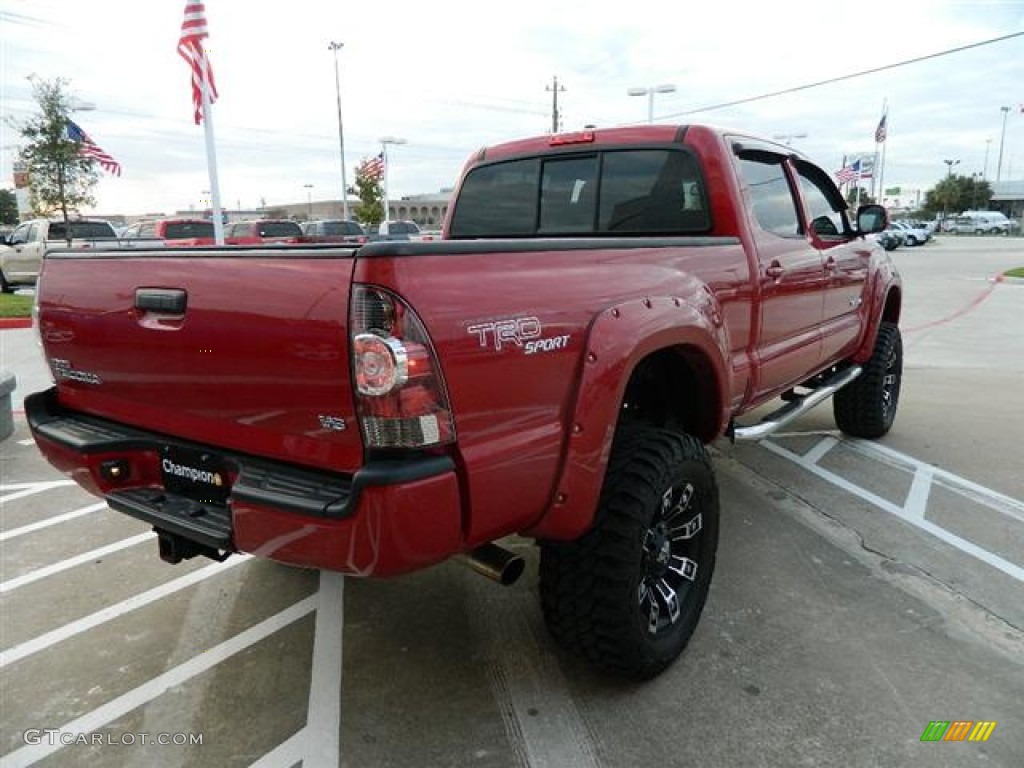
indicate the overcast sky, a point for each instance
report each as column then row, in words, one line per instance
column 451, row 76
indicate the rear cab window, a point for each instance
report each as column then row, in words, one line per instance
column 279, row 229
column 182, row 230
column 81, row 230
column 608, row 192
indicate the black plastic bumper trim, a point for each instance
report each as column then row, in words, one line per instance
column 263, row 482
column 207, row 524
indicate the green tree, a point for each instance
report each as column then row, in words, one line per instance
column 370, row 208
column 60, row 179
column 958, row 193
column 865, row 197
column 8, row 207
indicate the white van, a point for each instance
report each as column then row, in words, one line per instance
column 981, row 223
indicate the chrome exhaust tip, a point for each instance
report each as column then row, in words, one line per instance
column 495, row 562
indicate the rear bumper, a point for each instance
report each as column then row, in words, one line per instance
column 389, row 517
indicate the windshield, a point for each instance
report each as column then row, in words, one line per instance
column 181, row 230
column 341, row 228
column 81, row 230
column 280, row 229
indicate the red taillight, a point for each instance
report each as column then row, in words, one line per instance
column 400, row 393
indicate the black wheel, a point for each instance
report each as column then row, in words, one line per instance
column 867, row 406
column 5, row 287
column 911, row 240
column 627, row 595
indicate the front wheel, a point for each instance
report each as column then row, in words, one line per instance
column 866, row 407
column 628, row 594
column 5, row 287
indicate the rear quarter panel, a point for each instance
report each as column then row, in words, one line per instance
column 511, row 328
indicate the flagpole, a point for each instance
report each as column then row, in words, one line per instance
column 211, row 152
column 881, row 166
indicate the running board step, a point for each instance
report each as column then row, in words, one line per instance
column 796, row 407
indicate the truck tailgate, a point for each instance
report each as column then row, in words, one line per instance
column 243, row 350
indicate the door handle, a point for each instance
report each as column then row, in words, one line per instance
column 169, row 300
column 774, row 270
column 830, row 264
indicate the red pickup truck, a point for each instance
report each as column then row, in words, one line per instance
column 603, row 305
column 176, row 233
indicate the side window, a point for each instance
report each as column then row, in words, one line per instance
column 21, row 234
column 148, row 229
column 498, row 200
column 827, row 220
column 568, row 195
column 652, row 191
column 770, row 195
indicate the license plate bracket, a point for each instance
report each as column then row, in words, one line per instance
column 195, row 474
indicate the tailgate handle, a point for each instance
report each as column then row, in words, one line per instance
column 169, row 300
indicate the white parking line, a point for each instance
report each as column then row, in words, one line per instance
column 21, row 490
column 40, row 524
column 318, row 744
column 913, row 509
column 51, row 638
column 137, row 697
column 63, row 565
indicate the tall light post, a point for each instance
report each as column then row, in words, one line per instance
column 949, row 167
column 1002, row 138
column 649, row 93
column 984, row 168
column 309, row 201
column 384, row 141
column 341, row 133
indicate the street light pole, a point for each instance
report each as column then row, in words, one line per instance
column 384, row 141
column 984, row 168
column 949, row 167
column 309, row 201
column 649, row 93
column 341, row 133
column 1002, row 138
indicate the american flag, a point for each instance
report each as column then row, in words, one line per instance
column 190, row 47
column 372, row 169
column 881, row 130
column 89, row 148
column 849, row 172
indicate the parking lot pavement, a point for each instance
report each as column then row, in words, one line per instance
column 862, row 592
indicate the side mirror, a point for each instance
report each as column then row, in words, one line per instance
column 872, row 218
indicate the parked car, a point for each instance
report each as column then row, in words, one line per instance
column 175, row 232
column 913, row 234
column 21, row 255
column 981, row 223
column 334, row 231
column 262, row 231
column 888, row 239
column 397, row 230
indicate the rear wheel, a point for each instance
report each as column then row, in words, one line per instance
column 627, row 595
column 911, row 240
column 5, row 287
column 866, row 407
